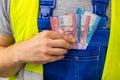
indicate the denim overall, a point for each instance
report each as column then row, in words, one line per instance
column 78, row 64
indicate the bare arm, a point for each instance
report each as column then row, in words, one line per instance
column 45, row 47
column 8, row 66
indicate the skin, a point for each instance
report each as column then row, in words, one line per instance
column 47, row 46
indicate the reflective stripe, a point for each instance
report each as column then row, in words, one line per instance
column 32, row 76
column 20, row 75
column 27, row 75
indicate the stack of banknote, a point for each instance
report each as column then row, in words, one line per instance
column 81, row 26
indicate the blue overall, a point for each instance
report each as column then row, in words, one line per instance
column 78, row 64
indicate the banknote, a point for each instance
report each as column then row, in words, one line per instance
column 54, row 23
column 78, row 22
column 84, row 31
column 94, row 22
column 81, row 26
column 73, row 32
column 66, row 24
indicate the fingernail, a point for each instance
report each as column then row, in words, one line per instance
column 73, row 40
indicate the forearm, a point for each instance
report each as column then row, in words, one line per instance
column 9, row 64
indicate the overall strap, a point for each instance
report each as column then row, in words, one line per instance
column 99, row 8
column 46, row 10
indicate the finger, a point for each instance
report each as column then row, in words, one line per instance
column 57, row 52
column 60, row 43
column 57, row 35
column 56, row 58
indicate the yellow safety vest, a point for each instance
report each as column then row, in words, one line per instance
column 112, row 63
column 24, row 15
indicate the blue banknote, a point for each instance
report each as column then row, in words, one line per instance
column 94, row 22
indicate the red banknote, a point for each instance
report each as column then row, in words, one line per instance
column 84, row 30
column 66, row 24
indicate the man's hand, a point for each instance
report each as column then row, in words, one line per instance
column 47, row 46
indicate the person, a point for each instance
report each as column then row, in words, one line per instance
column 46, row 46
